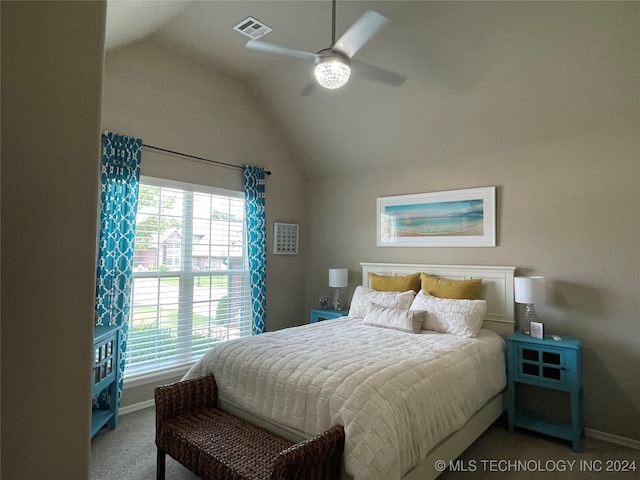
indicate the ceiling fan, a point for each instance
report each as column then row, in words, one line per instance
column 333, row 65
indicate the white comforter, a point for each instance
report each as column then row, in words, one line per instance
column 397, row 394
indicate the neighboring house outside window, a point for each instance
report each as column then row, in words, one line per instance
column 172, row 254
column 190, row 281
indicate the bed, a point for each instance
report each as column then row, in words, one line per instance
column 406, row 398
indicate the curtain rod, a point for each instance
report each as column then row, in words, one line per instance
column 197, row 158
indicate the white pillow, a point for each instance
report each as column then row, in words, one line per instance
column 446, row 315
column 396, row 318
column 362, row 295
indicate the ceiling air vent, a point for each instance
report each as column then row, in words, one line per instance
column 252, row 28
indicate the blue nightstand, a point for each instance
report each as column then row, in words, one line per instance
column 320, row 315
column 548, row 363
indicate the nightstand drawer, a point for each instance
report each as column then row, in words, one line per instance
column 541, row 366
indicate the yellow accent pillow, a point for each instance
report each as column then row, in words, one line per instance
column 447, row 288
column 393, row 283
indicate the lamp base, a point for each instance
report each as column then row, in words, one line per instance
column 337, row 305
column 529, row 316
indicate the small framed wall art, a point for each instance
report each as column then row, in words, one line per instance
column 285, row 238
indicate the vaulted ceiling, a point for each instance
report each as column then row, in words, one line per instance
column 481, row 76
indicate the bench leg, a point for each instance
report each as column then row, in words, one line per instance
column 160, row 465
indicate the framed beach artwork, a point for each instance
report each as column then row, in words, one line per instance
column 455, row 218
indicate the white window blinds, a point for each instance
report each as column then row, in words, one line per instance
column 190, row 280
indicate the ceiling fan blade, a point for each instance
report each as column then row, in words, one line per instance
column 360, row 32
column 277, row 50
column 377, row 74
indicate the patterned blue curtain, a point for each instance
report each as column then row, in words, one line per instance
column 119, row 183
column 254, row 183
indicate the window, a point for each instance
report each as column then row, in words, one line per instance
column 190, row 280
column 172, row 254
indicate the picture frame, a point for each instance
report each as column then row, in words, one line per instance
column 285, row 238
column 454, row 218
column 537, row 330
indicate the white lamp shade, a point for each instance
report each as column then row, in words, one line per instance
column 529, row 289
column 338, row 277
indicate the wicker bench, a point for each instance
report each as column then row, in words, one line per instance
column 216, row 445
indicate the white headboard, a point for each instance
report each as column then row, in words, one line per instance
column 496, row 289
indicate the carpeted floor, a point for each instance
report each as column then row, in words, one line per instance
column 129, row 453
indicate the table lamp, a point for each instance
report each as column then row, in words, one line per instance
column 529, row 290
column 338, row 278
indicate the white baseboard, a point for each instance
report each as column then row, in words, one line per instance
column 136, row 406
column 611, row 438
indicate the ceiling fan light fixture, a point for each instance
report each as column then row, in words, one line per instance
column 332, row 70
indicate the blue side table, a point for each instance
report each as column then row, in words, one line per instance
column 548, row 363
column 106, row 375
column 320, row 315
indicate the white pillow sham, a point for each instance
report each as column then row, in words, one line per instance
column 362, row 295
column 446, row 315
column 396, row 318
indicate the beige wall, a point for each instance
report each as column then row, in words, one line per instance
column 180, row 104
column 52, row 59
column 568, row 209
